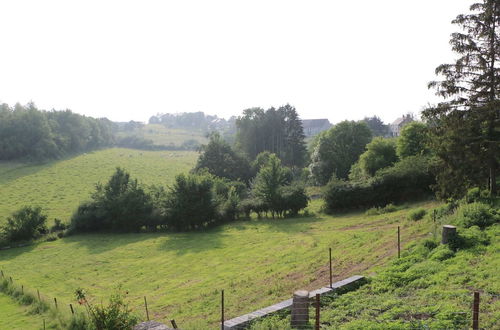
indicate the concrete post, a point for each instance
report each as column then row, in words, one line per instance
column 300, row 309
column 448, row 232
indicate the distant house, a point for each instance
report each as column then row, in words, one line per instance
column 313, row 127
column 396, row 127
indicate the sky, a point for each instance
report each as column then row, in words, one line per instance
column 129, row 60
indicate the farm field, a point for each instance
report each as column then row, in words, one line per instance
column 160, row 135
column 60, row 186
column 257, row 262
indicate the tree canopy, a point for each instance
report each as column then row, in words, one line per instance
column 26, row 132
column 338, row 149
column 465, row 126
column 275, row 130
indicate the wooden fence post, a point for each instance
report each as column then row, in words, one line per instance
column 174, row 325
column 222, row 311
column 475, row 312
column 399, row 243
column 71, row 307
column 55, row 302
column 330, row 250
column 38, row 293
column 317, row 311
column 146, row 304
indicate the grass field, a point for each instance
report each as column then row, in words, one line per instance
column 60, row 186
column 257, row 262
column 160, row 135
column 13, row 316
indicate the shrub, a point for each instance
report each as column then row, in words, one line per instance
column 24, row 224
column 229, row 209
column 417, row 214
column 58, row 226
column 441, row 253
column 406, row 180
column 476, row 214
column 382, row 210
column 469, row 238
column 294, row 199
column 120, row 205
column 191, row 202
column 116, row 315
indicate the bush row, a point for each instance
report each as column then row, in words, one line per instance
column 194, row 201
column 408, row 179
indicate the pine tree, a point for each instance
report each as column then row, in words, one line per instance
column 465, row 127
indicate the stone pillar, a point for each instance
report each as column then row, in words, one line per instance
column 449, row 231
column 300, row 309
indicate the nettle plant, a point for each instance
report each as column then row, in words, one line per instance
column 116, row 315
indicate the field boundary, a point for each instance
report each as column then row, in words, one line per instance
column 242, row 321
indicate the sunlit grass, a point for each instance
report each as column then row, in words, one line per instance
column 258, row 262
column 60, row 186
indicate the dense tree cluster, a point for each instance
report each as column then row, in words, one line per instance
column 278, row 131
column 338, row 149
column 465, row 128
column 26, row 132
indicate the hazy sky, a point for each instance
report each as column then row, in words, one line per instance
column 131, row 59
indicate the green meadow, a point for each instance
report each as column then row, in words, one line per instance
column 257, row 262
column 60, row 186
column 160, row 135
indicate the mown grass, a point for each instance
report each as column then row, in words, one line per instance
column 60, row 186
column 258, row 262
column 14, row 316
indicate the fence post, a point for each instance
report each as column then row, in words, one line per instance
column 300, row 309
column 222, row 311
column 317, row 311
column 330, row 250
column 22, row 289
column 38, row 293
column 399, row 243
column 475, row 312
column 174, row 325
column 146, row 304
column 71, row 307
column 55, row 302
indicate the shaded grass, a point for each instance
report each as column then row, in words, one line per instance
column 258, row 262
column 60, row 186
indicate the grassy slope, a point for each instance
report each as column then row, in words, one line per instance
column 60, row 186
column 13, row 316
column 258, row 262
column 160, row 135
column 429, row 294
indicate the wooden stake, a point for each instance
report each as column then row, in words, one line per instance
column 55, row 302
column 38, row 293
column 399, row 243
column 475, row 312
column 71, row 307
column 43, row 324
column 222, row 311
column 317, row 311
column 331, row 284
column 174, row 325
column 22, row 289
column 146, row 304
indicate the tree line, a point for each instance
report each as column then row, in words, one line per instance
column 29, row 133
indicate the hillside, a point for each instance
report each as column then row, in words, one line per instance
column 60, row 186
column 257, row 262
column 162, row 136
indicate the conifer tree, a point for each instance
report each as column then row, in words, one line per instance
column 465, row 127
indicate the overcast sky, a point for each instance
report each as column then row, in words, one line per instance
column 128, row 60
